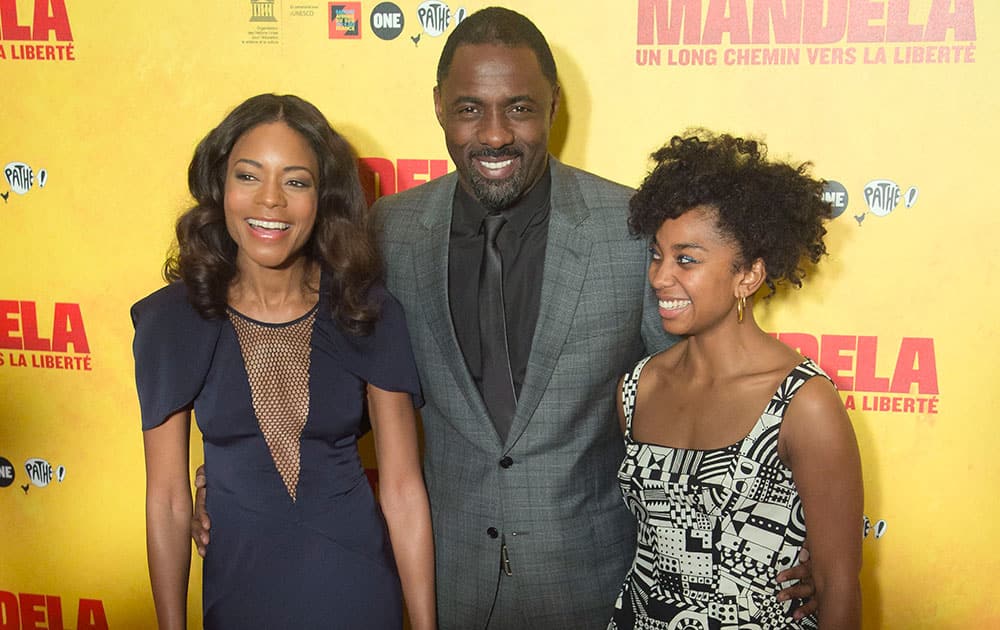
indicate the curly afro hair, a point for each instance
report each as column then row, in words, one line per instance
column 769, row 210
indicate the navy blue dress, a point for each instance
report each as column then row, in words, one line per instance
column 309, row 550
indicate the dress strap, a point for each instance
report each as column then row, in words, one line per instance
column 791, row 384
column 630, row 383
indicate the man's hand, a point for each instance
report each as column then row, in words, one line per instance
column 804, row 589
column 200, row 523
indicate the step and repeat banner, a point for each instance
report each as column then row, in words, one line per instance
column 894, row 101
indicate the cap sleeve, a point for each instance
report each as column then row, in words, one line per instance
column 385, row 357
column 173, row 350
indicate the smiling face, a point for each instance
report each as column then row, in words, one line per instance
column 270, row 196
column 694, row 272
column 496, row 108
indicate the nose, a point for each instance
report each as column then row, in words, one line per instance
column 494, row 130
column 270, row 193
column 660, row 275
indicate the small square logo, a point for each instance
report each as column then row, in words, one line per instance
column 345, row 20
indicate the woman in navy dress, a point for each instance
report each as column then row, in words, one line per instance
column 275, row 333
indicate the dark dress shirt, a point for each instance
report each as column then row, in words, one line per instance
column 522, row 246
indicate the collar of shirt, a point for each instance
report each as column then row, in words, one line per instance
column 529, row 210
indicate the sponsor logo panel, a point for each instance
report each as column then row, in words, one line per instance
column 345, row 20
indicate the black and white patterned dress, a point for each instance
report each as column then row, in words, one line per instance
column 715, row 527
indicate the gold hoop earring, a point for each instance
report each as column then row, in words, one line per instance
column 741, row 304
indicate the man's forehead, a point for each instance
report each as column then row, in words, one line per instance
column 514, row 62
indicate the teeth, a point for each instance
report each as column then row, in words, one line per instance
column 496, row 166
column 268, row 225
column 673, row 304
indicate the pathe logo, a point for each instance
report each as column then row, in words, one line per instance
column 20, row 178
column 6, row 472
column 387, row 21
column 882, row 196
column 48, row 18
column 435, row 17
column 345, row 20
column 40, row 473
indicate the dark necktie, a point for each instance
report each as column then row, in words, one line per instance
column 498, row 385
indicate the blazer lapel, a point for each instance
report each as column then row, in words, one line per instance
column 567, row 255
column 431, row 271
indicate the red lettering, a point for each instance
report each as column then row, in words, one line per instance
column 785, row 17
column 56, row 22
column 962, row 20
column 67, row 328
column 9, row 28
column 814, row 30
column 859, row 27
column 669, row 19
column 407, row 171
column 898, row 27
column 864, row 373
column 716, row 23
column 9, row 615
column 833, row 361
column 53, row 608
column 378, row 177
column 91, row 616
column 9, row 324
column 29, row 327
column 915, row 364
column 32, row 611
column 804, row 344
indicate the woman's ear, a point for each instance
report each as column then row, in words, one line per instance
column 750, row 278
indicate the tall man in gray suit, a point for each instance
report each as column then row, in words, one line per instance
column 529, row 525
column 519, row 370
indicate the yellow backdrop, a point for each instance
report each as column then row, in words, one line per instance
column 895, row 101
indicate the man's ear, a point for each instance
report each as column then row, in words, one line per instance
column 750, row 278
column 556, row 102
column 438, row 105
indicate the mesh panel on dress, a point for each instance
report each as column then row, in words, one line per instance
column 277, row 364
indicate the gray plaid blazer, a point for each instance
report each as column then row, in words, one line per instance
column 555, row 503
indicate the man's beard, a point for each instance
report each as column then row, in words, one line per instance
column 497, row 195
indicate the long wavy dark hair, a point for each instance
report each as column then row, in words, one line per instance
column 342, row 242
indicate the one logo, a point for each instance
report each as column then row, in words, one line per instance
column 435, row 17
column 6, row 472
column 345, row 20
column 387, row 21
column 882, row 196
column 835, row 194
column 21, row 177
column 262, row 11
column 41, row 473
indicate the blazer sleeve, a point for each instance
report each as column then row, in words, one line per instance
column 173, row 349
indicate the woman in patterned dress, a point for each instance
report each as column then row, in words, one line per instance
column 276, row 333
column 736, row 446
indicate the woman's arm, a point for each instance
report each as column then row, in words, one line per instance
column 818, row 444
column 404, row 500
column 168, row 515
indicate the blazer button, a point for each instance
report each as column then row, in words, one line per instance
column 492, row 532
column 506, row 462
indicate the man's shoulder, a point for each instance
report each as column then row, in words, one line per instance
column 590, row 183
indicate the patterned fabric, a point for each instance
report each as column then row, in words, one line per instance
column 276, row 357
column 715, row 526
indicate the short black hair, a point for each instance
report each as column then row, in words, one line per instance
column 769, row 209
column 500, row 26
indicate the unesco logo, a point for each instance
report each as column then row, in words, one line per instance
column 387, row 21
